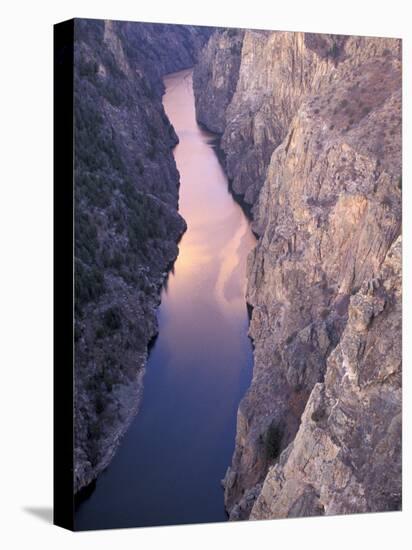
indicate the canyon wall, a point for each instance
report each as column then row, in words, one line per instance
column 311, row 137
column 127, row 225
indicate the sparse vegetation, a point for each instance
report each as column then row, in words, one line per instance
column 318, row 414
column 89, row 285
column 112, row 318
column 272, row 441
column 122, row 137
column 334, row 51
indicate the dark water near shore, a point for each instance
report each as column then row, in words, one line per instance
column 168, row 467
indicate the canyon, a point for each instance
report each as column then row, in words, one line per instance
column 309, row 136
column 168, row 465
column 126, row 219
column 311, row 139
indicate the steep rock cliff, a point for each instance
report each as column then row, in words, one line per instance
column 215, row 78
column 127, row 225
column 312, row 138
column 260, row 97
column 346, row 456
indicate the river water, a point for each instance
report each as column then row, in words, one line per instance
column 168, row 467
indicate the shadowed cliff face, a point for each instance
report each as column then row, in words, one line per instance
column 216, row 77
column 312, row 138
column 127, row 225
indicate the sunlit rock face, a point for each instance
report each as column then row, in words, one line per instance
column 312, row 139
column 127, row 224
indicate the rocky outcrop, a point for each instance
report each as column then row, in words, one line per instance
column 259, row 96
column 127, row 225
column 312, row 138
column 215, row 78
column 346, row 456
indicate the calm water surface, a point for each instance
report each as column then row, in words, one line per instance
column 168, row 467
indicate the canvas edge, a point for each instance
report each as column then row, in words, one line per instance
column 63, row 265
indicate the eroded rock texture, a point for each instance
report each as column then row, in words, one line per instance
column 127, row 225
column 346, row 456
column 312, row 138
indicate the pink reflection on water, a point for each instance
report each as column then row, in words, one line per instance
column 213, row 252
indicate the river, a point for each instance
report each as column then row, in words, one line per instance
column 169, row 465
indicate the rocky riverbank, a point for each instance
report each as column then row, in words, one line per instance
column 311, row 134
column 127, row 225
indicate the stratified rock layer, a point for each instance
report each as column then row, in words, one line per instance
column 126, row 220
column 312, row 138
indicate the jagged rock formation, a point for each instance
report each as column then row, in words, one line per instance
column 311, row 136
column 346, row 456
column 127, row 225
column 215, row 78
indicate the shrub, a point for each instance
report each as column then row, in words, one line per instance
column 333, row 52
column 272, row 441
column 387, row 201
column 117, row 260
column 100, row 333
column 324, row 313
column 152, row 148
column 77, row 332
column 88, row 68
column 231, row 32
column 89, row 284
column 99, row 404
column 318, row 414
column 112, row 318
column 114, row 93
